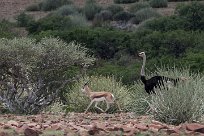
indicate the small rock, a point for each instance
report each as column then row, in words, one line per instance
column 4, row 134
column 12, row 123
column 141, row 127
column 194, row 126
column 31, row 132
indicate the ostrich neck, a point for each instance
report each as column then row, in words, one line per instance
column 142, row 73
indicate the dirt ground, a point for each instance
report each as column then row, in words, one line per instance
column 119, row 124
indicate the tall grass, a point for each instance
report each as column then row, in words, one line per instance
column 78, row 101
column 180, row 103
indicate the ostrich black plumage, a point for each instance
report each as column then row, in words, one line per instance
column 156, row 81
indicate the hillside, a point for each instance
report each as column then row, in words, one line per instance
column 9, row 9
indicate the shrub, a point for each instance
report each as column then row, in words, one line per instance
column 23, row 20
column 123, row 16
column 52, row 22
column 78, row 102
column 115, row 9
column 90, row 9
column 5, row 30
column 42, row 69
column 102, row 17
column 166, row 23
column 125, row 1
column 182, row 103
column 193, row 14
column 158, row 3
column 145, row 14
column 138, row 6
column 55, row 108
column 66, row 10
column 34, row 7
column 48, row 5
column 78, row 20
column 139, row 98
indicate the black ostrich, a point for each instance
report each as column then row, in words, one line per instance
column 156, row 81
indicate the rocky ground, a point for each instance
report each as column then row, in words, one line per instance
column 81, row 124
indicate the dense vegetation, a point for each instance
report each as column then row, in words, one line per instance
column 109, row 34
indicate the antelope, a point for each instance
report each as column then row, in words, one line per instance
column 99, row 97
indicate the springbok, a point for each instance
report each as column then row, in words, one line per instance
column 99, row 97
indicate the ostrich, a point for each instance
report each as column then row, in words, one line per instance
column 156, row 81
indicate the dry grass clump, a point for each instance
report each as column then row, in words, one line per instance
column 78, row 102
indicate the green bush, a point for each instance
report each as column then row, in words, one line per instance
column 78, row 102
column 34, row 7
column 123, row 16
column 102, row 17
column 23, row 20
column 52, row 22
column 115, row 9
column 78, row 21
column 91, row 8
column 66, row 10
column 138, row 6
column 56, row 108
column 139, row 99
column 125, row 1
column 166, row 24
column 158, row 3
column 193, row 14
column 181, row 103
column 5, row 30
column 48, row 5
column 145, row 14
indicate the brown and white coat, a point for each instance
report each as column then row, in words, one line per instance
column 99, row 97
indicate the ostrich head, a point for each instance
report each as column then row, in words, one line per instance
column 141, row 54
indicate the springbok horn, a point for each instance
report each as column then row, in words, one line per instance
column 86, row 83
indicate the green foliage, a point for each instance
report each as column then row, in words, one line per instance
column 102, row 17
column 34, row 73
column 158, row 3
column 138, row 6
column 23, row 20
column 34, row 7
column 66, row 10
column 48, row 5
column 5, row 30
column 165, row 24
column 172, row 43
column 79, row 20
column 139, row 99
column 145, row 14
column 55, row 108
column 124, row 69
column 78, row 102
column 125, row 1
column 180, row 103
column 52, row 22
column 91, row 8
column 115, row 9
column 123, row 15
column 193, row 14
